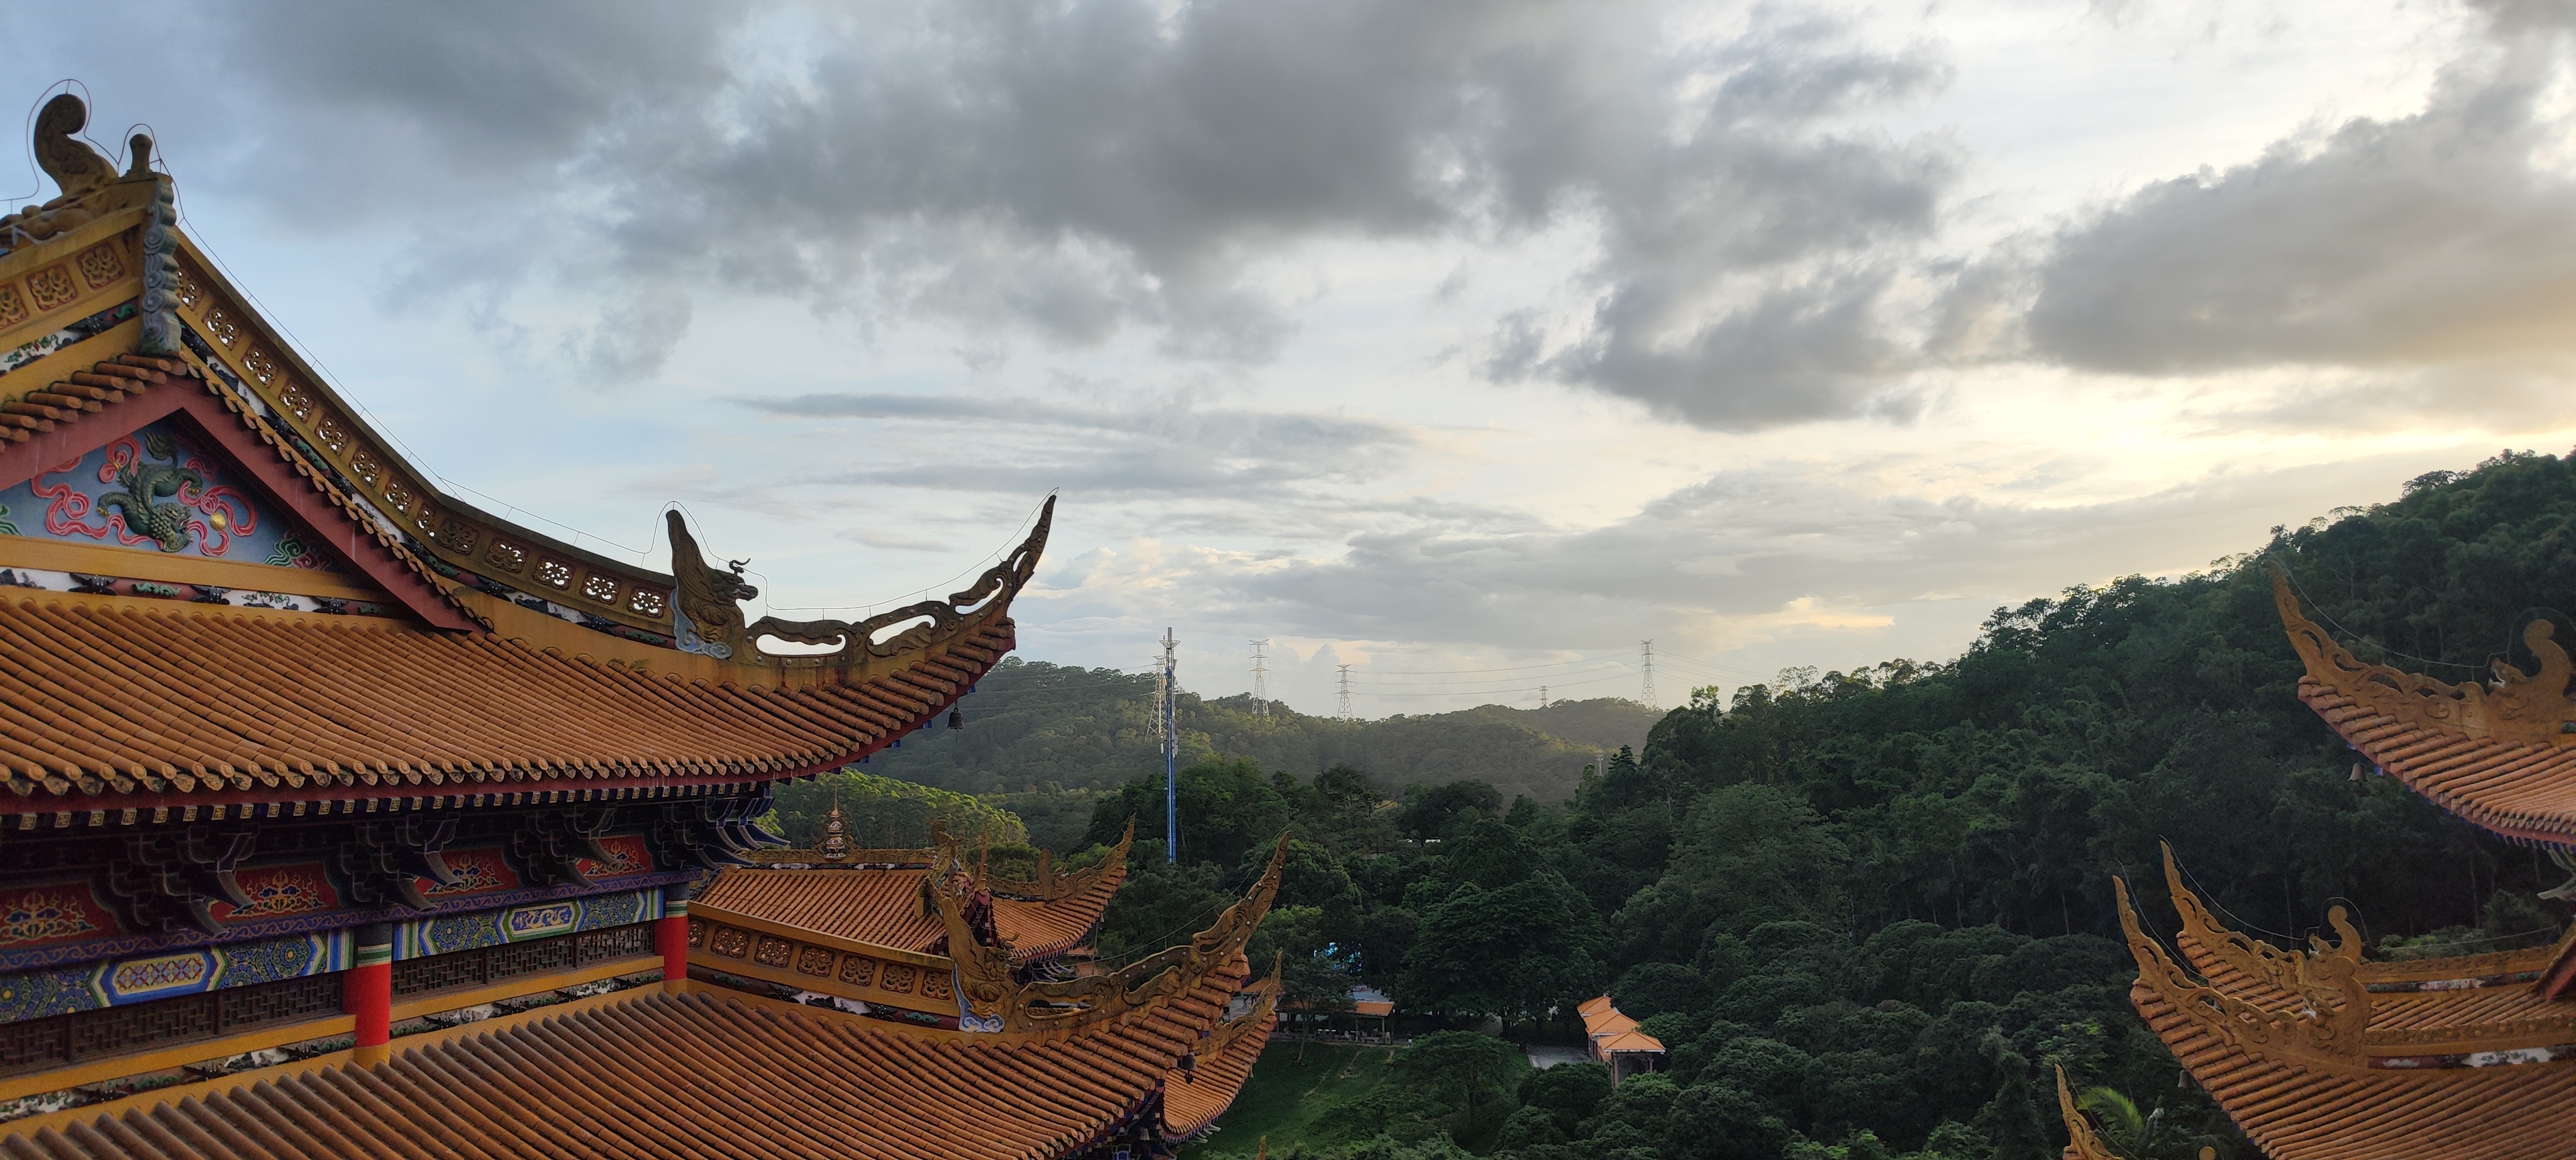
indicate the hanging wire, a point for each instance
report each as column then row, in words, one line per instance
column 2212, row 899
column 412, row 457
column 2331, row 622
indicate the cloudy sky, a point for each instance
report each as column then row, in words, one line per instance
column 1465, row 342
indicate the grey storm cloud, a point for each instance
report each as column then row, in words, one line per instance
column 2444, row 237
column 1085, row 169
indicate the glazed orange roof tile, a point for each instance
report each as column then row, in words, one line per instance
column 2319, row 1054
column 225, row 590
column 106, row 699
column 2500, row 755
column 884, row 907
column 706, row 1075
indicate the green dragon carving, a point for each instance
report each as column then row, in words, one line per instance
column 141, row 482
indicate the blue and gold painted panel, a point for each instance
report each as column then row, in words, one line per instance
column 36, row 994
column 157, row 490
column 485, row 928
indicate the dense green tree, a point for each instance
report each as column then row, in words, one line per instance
column 1516, row 951
column 1870, row 912
column 1569, row 1093
column 1227, row 808
column 1651, row 989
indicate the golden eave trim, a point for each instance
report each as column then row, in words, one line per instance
column 2517, row 708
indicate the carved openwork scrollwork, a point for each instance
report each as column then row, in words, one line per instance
column 2321, row 1023
column 2516, row 707
column 1049, row 885
column 2082, row 1143
column 998, row 1002
column 1001, row 582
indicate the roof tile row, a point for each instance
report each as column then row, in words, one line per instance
column 682, row 1077
column 114, row 696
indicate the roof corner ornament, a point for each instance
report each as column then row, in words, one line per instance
column 75, row 167
column 705, row 609
column 2082, row 1143
column 2514, row 707
column 2327, row 1015
column 994, row 588
column 78, row 171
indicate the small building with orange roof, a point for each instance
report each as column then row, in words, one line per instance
column 1614, row 1040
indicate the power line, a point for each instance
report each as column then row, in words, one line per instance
column 1510, row 669
column 1345, row 710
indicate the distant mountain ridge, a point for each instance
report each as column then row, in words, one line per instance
column 1035, row 726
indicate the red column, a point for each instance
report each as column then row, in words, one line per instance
column 367, row 992
column 671, row 937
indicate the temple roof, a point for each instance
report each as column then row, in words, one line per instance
column 1609, row 1030
column 884, row 906
column 2500, row 754
column 2319, row 1055
column 133, row 699
column 709, row 1075
column 415, row 642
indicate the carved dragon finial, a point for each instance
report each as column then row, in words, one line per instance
column 74, row 166
column 2081, row 1141
column 998, row 583
column 2517, row 707
column 710, row 616
column 992, row 995
column 2318, row 1035
column 1052, row 884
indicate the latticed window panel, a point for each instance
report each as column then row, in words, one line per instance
column 616, row 942
column 309, row 997
column 37, row 1044
column 439, row 973
column 515, row 959
column 34, row 1044
column 142, row 1025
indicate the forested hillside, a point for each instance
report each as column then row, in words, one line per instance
column 1034, row 727
column 1870, row 911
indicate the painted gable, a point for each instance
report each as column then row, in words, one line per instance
column 159, row 490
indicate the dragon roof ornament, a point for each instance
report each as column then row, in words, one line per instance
column 1051, row 885
column 2082, row 1142
column 2515, row 707
column 2315, row 1007
column 995, row 998
column 2327, row 1035
column 709, row 598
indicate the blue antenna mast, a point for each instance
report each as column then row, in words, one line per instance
column 1171, row 755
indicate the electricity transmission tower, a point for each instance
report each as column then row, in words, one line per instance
column 1345, row 709
column 1260, row 686
column 1646, row 662
column 1171, row 755
column 1542, row 696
